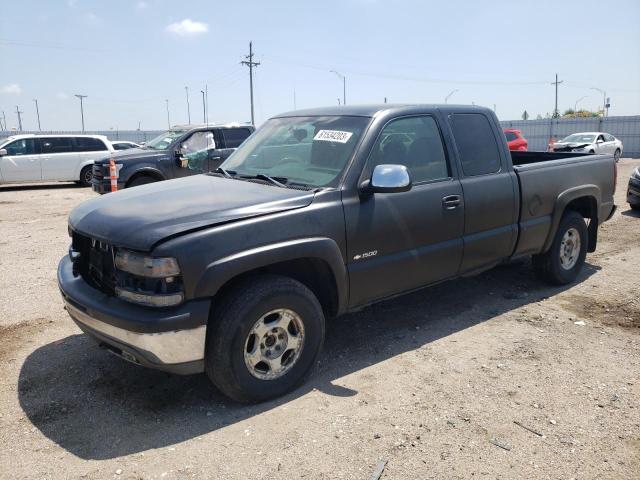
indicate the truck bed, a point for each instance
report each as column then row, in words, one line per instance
column 548, row 182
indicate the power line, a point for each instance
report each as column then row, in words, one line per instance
column 250, row 63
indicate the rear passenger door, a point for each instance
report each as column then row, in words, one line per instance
column 401, row 241
column 58, row 158
column 490, row 192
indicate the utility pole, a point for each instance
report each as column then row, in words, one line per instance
column 446, row 99
column 556, row 113
column 4, row 118
column 206, row 104
column 168, row 118
column 385, row 99
column 19, row 118
column 81, row 109
column 250, row 63
column 338, row 101
column 37, row 113
column 204, row 108
column 186, row 89
column 344, row 86
column 294, row 99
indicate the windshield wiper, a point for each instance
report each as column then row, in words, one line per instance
column 279, row 181
column 226, row 173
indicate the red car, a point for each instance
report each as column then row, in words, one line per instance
column 515, row 139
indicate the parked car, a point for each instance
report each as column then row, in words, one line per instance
column 167, row 155
column 51, row 158
column 633, row 190
column 590, row 142
column 319, row 213
column 515, row 140
column 124, row 145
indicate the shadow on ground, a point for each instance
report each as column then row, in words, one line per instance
column 631, row 213
column 39, row 186
column 97, row 406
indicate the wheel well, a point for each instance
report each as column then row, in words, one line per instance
column 588, row 208
column 314, row 273
column 144, row 173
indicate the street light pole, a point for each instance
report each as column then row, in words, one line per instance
column 446, row 99
column 18, row 112
column 575, row 105
column 186, row 89
column 81, row 109
column 168, row 118
column 37, row 113
column 204, row 108
column 344, row 86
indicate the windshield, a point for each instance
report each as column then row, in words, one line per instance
column 579, row 138
column 163, row 141
column 313, row 151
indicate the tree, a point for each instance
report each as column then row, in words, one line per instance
column 538, row 117
column 525, row 115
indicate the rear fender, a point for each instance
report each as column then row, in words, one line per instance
column 591, row 192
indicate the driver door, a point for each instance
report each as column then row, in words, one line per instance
column 23, row 162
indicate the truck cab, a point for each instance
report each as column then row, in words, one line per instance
column 182, row 151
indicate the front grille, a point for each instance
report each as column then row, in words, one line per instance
column 95, row 262
column 97, row 172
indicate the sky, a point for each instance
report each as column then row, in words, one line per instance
column 130, row 56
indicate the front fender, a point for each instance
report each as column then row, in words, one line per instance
column 224, row 269
column 126, row 176
column 566, row 197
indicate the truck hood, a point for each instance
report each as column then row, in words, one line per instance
column 140, row 217
column 133, row 154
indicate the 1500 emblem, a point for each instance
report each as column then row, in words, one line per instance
column 366, row 255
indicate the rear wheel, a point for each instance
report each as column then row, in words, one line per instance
column 263, row 338
column 562, row 263
column 86, row 174
column 141, row 180
column 616, row 155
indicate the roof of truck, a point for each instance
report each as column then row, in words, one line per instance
column 373, row 110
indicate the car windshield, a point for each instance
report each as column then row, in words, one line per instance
column 313, row 151
column 162, row 142
column 579, row 138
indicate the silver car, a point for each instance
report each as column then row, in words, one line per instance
column 590, row 142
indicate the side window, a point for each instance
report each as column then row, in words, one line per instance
column 609, row 138
column 511, row 136
column 57, row 145
column 600, row 138
column 414, row 142
column 476, row 144
column 88, row 144
column 24, row 146
column 198, row 141
column 233, row 137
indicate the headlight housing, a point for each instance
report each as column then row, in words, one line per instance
column 148, row 281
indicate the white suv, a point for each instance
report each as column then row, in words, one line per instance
column 51, row 158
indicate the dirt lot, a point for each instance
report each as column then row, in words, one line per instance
column 432, row 383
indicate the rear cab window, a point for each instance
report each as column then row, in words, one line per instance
column 511, row 136
column 476, row 144
column 233, row 137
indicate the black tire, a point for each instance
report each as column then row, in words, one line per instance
column 635, row 206
column 142, row 180
column 616, row 155
column 86, row 174
column 549, row 266
column 230, row 327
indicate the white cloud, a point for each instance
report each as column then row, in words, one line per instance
column 12, row 89
column 142, row 5
column 62, row 96
column 187, row 27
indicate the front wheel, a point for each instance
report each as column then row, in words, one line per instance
column 263, row 338
column 616, row 155
column 562, row 263
column 141, row 180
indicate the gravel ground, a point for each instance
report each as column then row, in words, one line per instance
column 432, row 383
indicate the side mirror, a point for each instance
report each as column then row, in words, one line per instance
column 599, row 141
column 181, row 162
column 387, row 179
column 3, row 152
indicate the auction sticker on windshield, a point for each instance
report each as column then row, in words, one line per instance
column 333, row 136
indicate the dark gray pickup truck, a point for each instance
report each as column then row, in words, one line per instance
column 319, row 213
column 182, row 151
